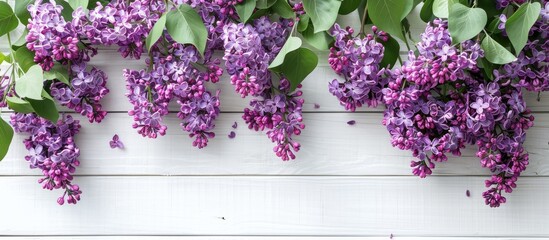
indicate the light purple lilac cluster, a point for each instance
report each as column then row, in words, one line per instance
column 177, row 71
column 52, row 149
column 249, row 48
column 52, row 39
column 358, row 61
column 531, row 69
column 438, row 102
column 120, row 22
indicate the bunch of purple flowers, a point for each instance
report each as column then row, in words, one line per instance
column 52, row 150
column 249, row 48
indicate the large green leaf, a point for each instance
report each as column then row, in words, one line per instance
column 58, row 72
column 19, row 105
column 6, row 135
column 24, row 58
column 8, row 20
column 495, row 53
column 186, row 27
column 387, row 15
column 292, row 44
column 426, row 13
column 297, row 66
column 319, row 40
column 264, row 4
column 156, row 32
column 30, row 85
column 245, row 9
column 441, row 7
column 464, row 23
column 282, row 8
column 78, row 3
column 391, row 52
column 45, row 108
column 519, row 24
column 348, row 6
column 303, row 23
column 21, row 10
column 322, row 13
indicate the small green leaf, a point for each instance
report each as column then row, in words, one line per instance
column 426, row 13
column 348, row 6
column 464, row 23
column 245, row 9
column 78, row 3
column 391, row 52
column 2, row 57
column 320, row 40
column 303, row 23
column 487, row 67
column 186, row 27
column 24, row 58
column 297, row 66
column 292, row 44
column 45, row 108
column 21, row 10
column 282, row 8
column 519, row 24
column 156, row 32
column 6, row 135
column 30, row 85
column 264, row 4
column 322, row 13
column 19, row 105
column 8, row 20
column 495, row 53
column 388, row 15
column 58, row 72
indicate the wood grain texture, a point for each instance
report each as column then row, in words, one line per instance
column 396, row 237
column 333, row 206
column 329, row 147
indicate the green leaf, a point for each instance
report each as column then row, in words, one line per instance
column 489, row 7
column 495, row 53
column 292, row 44
column 45, row 108
column 487, row 67
column 303, row 23
column 30, row 85
column 320, row 40
column 186, row 27
column 426, row 13
column 67, row 10
column 264, row 4
column 6, row 135
column 519, row 24
column 8, row 20
column 21, row 41
column 464, row 23
column 282, row 8
column 245, row 9
column 21, row 10
column 259, row 13
column 391, row 52
column 24, row 58
column 78, row 3
column 348, row 6
column 156, row 32
column 19, row 105
column 58, row 72
column 2, row 57
column 322, row 13
column 441, row 7
column 387, row 15
column 297, row 66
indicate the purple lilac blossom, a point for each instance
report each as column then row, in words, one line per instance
column 358, row 61
column 52, row 149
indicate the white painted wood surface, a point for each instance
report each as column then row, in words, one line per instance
column 347, row 183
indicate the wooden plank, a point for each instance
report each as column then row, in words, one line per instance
column 257, row 238
column 329, row 147
column 287, row 206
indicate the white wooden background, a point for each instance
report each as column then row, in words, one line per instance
column 347, row 183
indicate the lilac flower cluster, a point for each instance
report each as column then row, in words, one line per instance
column 439, row 101
column 177, row 71
column 249, row 48
column 531, row 69
column 500, row 4
column 52, row 150
column 357, row 60
column 122, row 23
column 5, row 83
column 52, row 38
